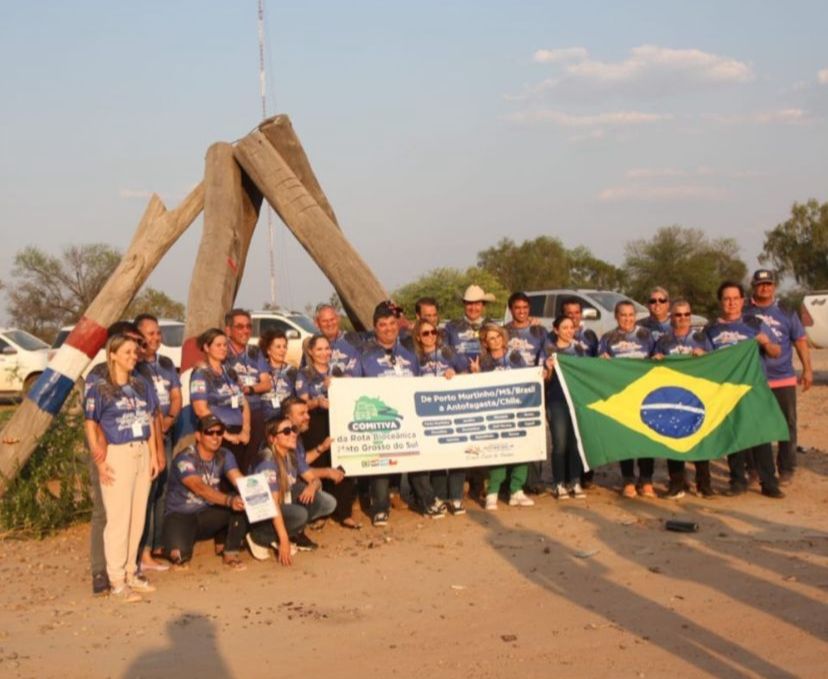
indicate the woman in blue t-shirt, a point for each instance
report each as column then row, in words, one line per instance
column 120, row 427
column 566, row 461
column 274, row 345
column 312, row 383
column 438, row 360
column 215, row 390
column 495, row 355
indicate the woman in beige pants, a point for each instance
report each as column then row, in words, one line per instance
column 121, row 430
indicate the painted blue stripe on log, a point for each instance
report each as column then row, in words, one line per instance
column 50, row 391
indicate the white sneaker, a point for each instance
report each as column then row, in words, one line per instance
column 294, row 550
column 561, row 492
column 256, row 550
column 125, row 595
column 491, row 502
column 138, row 583
column 578, row 492
column 519, row 499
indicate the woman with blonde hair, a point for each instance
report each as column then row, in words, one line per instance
column 495, row 355
column 121, row 431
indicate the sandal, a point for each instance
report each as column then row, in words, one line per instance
column 350, row 524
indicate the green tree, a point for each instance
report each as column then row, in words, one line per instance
column 157, row 303
column 49, row 291
column 587, row 271
column 685, row 262
column 799, row 246
column 532, row 265
column 447, row 286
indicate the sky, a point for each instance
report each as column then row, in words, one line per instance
column 435, row 128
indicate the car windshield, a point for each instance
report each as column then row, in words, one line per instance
column 26, row 341
column 172, row 335
column 303, row 322
column 608, row 300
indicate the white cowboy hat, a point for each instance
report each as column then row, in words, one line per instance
column 474, row 293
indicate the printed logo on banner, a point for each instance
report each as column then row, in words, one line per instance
column 373, row 415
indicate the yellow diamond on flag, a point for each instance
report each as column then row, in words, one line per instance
column 671, row 408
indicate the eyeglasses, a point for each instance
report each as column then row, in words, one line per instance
column 242, row 326
column 428, row 333
column 287, row 431
column 683, row 314
column 214, row 432
column 658, row 300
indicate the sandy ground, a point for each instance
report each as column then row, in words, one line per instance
column 584, row 588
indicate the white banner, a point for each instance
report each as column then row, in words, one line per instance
column 385, row 425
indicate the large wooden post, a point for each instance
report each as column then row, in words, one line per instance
column 155, row 234
column 356, row 285
column 279, row 132
column 231, row 210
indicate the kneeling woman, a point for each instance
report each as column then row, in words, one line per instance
column 196, row 507
column 122, row 435
column 297, row 491
column 496, row 356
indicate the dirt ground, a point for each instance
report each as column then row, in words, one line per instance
column 580, row 588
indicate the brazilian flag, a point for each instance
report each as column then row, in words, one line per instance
column 683, row 408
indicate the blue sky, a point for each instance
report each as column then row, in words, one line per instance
column 435, row 128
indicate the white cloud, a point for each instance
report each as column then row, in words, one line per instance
column 611, row 119
column 561, row 54
column 822, row 76
column 651, row 194
column 784, row 116
column 649, row 68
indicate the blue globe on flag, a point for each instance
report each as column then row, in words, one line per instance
column 672, row 411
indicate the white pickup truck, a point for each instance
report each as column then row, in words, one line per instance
column 814, row 314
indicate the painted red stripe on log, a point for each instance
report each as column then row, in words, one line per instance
column 232, row 265
column 88, row 337
column 191, row 355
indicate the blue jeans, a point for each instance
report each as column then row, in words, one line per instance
column 448, row 485
column 295, row 515
column 154, row 522
column 566, row 462
column 378, row 489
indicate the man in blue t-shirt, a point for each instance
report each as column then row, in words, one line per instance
column 385, row 357
column 161, row 372
column 344, row 347
column 253, row 374
column 658, row 322
column 789, row 334
column 681, row 340
column 463, row 335
column 733, row 327
column 630, row 342
column 197, row 508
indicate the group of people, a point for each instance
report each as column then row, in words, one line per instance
column 256, row 413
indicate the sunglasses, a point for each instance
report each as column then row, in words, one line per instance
column 682, row 314
column 658, row 300
column 428, row 333
column 214, row 432
column 287, row 431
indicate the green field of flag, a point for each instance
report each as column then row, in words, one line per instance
column 684, row 408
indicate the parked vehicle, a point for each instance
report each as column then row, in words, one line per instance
column 172, row 337
column 598, row 308
column 814, row 314
column 23, row 357
column 295, row 325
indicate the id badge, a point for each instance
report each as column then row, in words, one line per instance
column 274, row 402
column 398, row 369
column 249, row 380
column 234, row 401
column 137, row 429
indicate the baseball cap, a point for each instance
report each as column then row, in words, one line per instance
column 763, row 276
column 209, row 421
